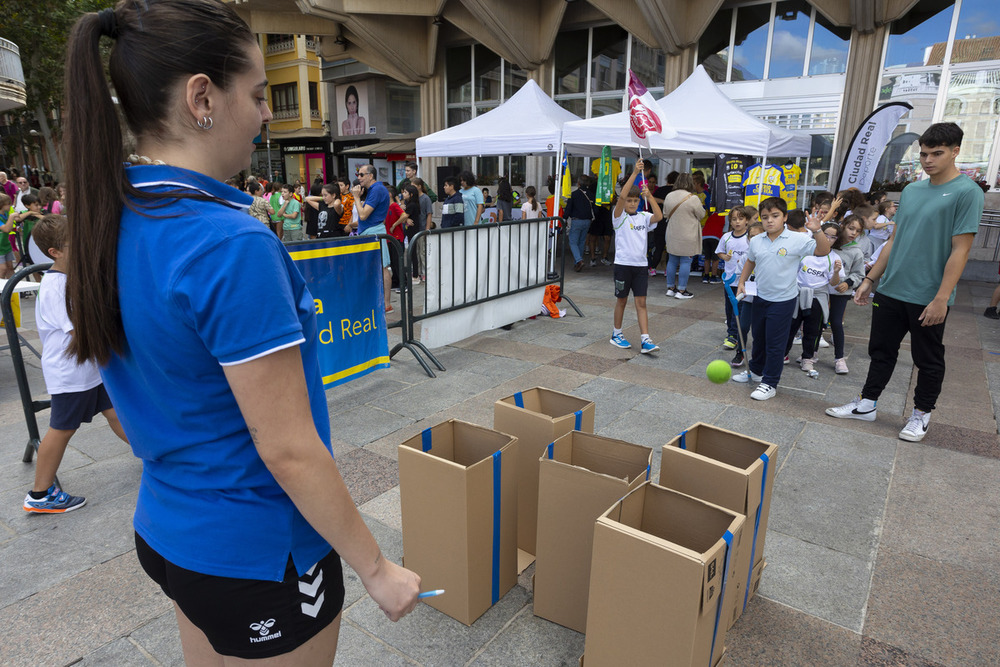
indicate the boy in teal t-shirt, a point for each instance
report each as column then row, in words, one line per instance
column 920, row 266
column 291, row 212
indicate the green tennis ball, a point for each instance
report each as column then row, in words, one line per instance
column 719, row 371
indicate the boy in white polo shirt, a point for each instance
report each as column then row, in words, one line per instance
column 774, row 258
column 76, row 389
column 631, row 265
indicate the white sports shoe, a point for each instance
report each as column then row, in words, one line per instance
column 916, row 426
column 746, row 376
column 763, row 392
column 853, row 411
column 822, row 342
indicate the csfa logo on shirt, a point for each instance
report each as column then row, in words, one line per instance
column 637, row 227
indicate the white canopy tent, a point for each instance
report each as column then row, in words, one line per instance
column 529, row 123
column 706, row 120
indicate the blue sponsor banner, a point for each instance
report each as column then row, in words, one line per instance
column 345, row 280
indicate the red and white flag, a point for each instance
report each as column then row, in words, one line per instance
column 644, row 114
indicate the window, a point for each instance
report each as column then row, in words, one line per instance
column 494, row 81
column 790, row 38
column 280, row 43
column 977, row 37
column 314, row 99
column 571, row 62
column 285, row 101
column 610, row 49
column 713, row 46
column 458, row 64
column 953, row 107
column 920, row 37
column 402, row 108
column 488, row 80
column 971, row 101
column 650, row 65
column 513, row 79
column 752, row 25
column 829, row 47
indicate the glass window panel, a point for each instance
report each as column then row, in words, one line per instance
column 972, row 98
column 577, row 105
column 791, row 33
column 489, row 170
column 713, row 46
column 976, row 36
column 571, row 62
column 458, row 63
column 403, row 108
column 605, row 106
column 458, row 115
column 919, row 38
column 608, row 68
column 829, row 48
column 901, row 161
column 483, row 108
column 649, row 64
column 514, row 78
column 515, row 172
column 751, row 42
column 487, row 74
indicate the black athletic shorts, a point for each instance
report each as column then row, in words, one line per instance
column 708, row 247
column 70, row 410
column 247, row 618
column 601, row 224
column 633, row 279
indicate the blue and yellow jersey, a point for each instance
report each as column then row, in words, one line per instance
column 792, row 172
column 754, row 192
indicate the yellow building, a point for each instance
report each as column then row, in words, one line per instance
column 299, row 135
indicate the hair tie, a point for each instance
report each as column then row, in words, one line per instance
column 109, row 23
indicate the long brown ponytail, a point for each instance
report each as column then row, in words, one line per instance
column 156, row 44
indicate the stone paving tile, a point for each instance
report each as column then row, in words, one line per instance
column 942, row 506
column 879, row 654
column 776, row 429
column 830, row 502
column 510, row 349
column 121, row 652
column 64, row 622
column 964, row 440
column 160, row 639
column 585, row 363
column 941, row 612
column 752, row 642
column 357, row 647
column 821, row 582
column 829, row 440
column 430, row 637
column 530, row 640
column 384, row 508
column 367, row 474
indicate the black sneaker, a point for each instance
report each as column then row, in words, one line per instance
column 737, row 360
column 705, row 279
column 991, row 313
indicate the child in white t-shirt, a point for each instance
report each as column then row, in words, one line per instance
column 815, row 277
column 881, row 229
column 76, row 389
column 732, row 250
column 631, row 264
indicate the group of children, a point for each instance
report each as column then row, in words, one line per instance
column 786, row 271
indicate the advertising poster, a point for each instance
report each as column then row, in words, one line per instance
column 352, row 109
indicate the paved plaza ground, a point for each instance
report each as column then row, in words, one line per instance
column 880, row 552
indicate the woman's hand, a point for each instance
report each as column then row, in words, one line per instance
column 394, row 589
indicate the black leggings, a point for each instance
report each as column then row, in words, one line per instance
column 838, row 304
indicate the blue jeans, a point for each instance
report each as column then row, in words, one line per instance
column 675, row 262
column 578, row 228
column 771, row 322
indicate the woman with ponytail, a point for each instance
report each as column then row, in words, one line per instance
column 208, row 348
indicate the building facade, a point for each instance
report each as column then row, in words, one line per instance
column 818, row 66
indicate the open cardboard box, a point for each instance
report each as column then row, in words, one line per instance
column 458, row 501
column 579, row 477
column 537, row 417
column 732, row 470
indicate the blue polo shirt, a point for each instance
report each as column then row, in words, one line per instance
column 378, row 198
column 777, row 263
column 192, row 303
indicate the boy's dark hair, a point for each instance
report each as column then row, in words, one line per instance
column 864, row 211
column 453, row 182
column 29, row 198
column 672, row 177
column 821, row 199
column 796, row 219
column 52, row 231
column 634, row 193
column 253, row 187
column 884, row 206
column 941, row 134
column 411, row 165
column 773, row 203
column 288, row 186
column 874, row 196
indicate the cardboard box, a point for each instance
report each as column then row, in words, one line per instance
column 661, row 564
column 458, row 501
column 536, row 418
column 727, row 469
column 579, row 477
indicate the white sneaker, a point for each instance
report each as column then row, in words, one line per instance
column 798, row 339
column 763, row 392
column 853, row 411
column 916, row 426
column 807, row 365
column 671, row 291
column 822, row 342
column 746, row 376
column 593, row 263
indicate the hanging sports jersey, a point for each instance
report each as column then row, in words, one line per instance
column 754, row 192
column 727, row 181
column 792, row 172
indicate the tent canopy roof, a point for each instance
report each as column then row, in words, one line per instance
column 529, row 123
column 706, row 120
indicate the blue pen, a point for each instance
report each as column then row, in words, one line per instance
column 431, row 594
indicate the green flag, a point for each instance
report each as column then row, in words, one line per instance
column 605, row 182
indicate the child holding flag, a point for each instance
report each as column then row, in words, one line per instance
column 630, row 267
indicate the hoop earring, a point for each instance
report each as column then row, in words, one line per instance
column 205, row 123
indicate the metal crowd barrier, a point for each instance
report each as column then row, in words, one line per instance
column 989, row 231
column 15, row 341
column 521, row 277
